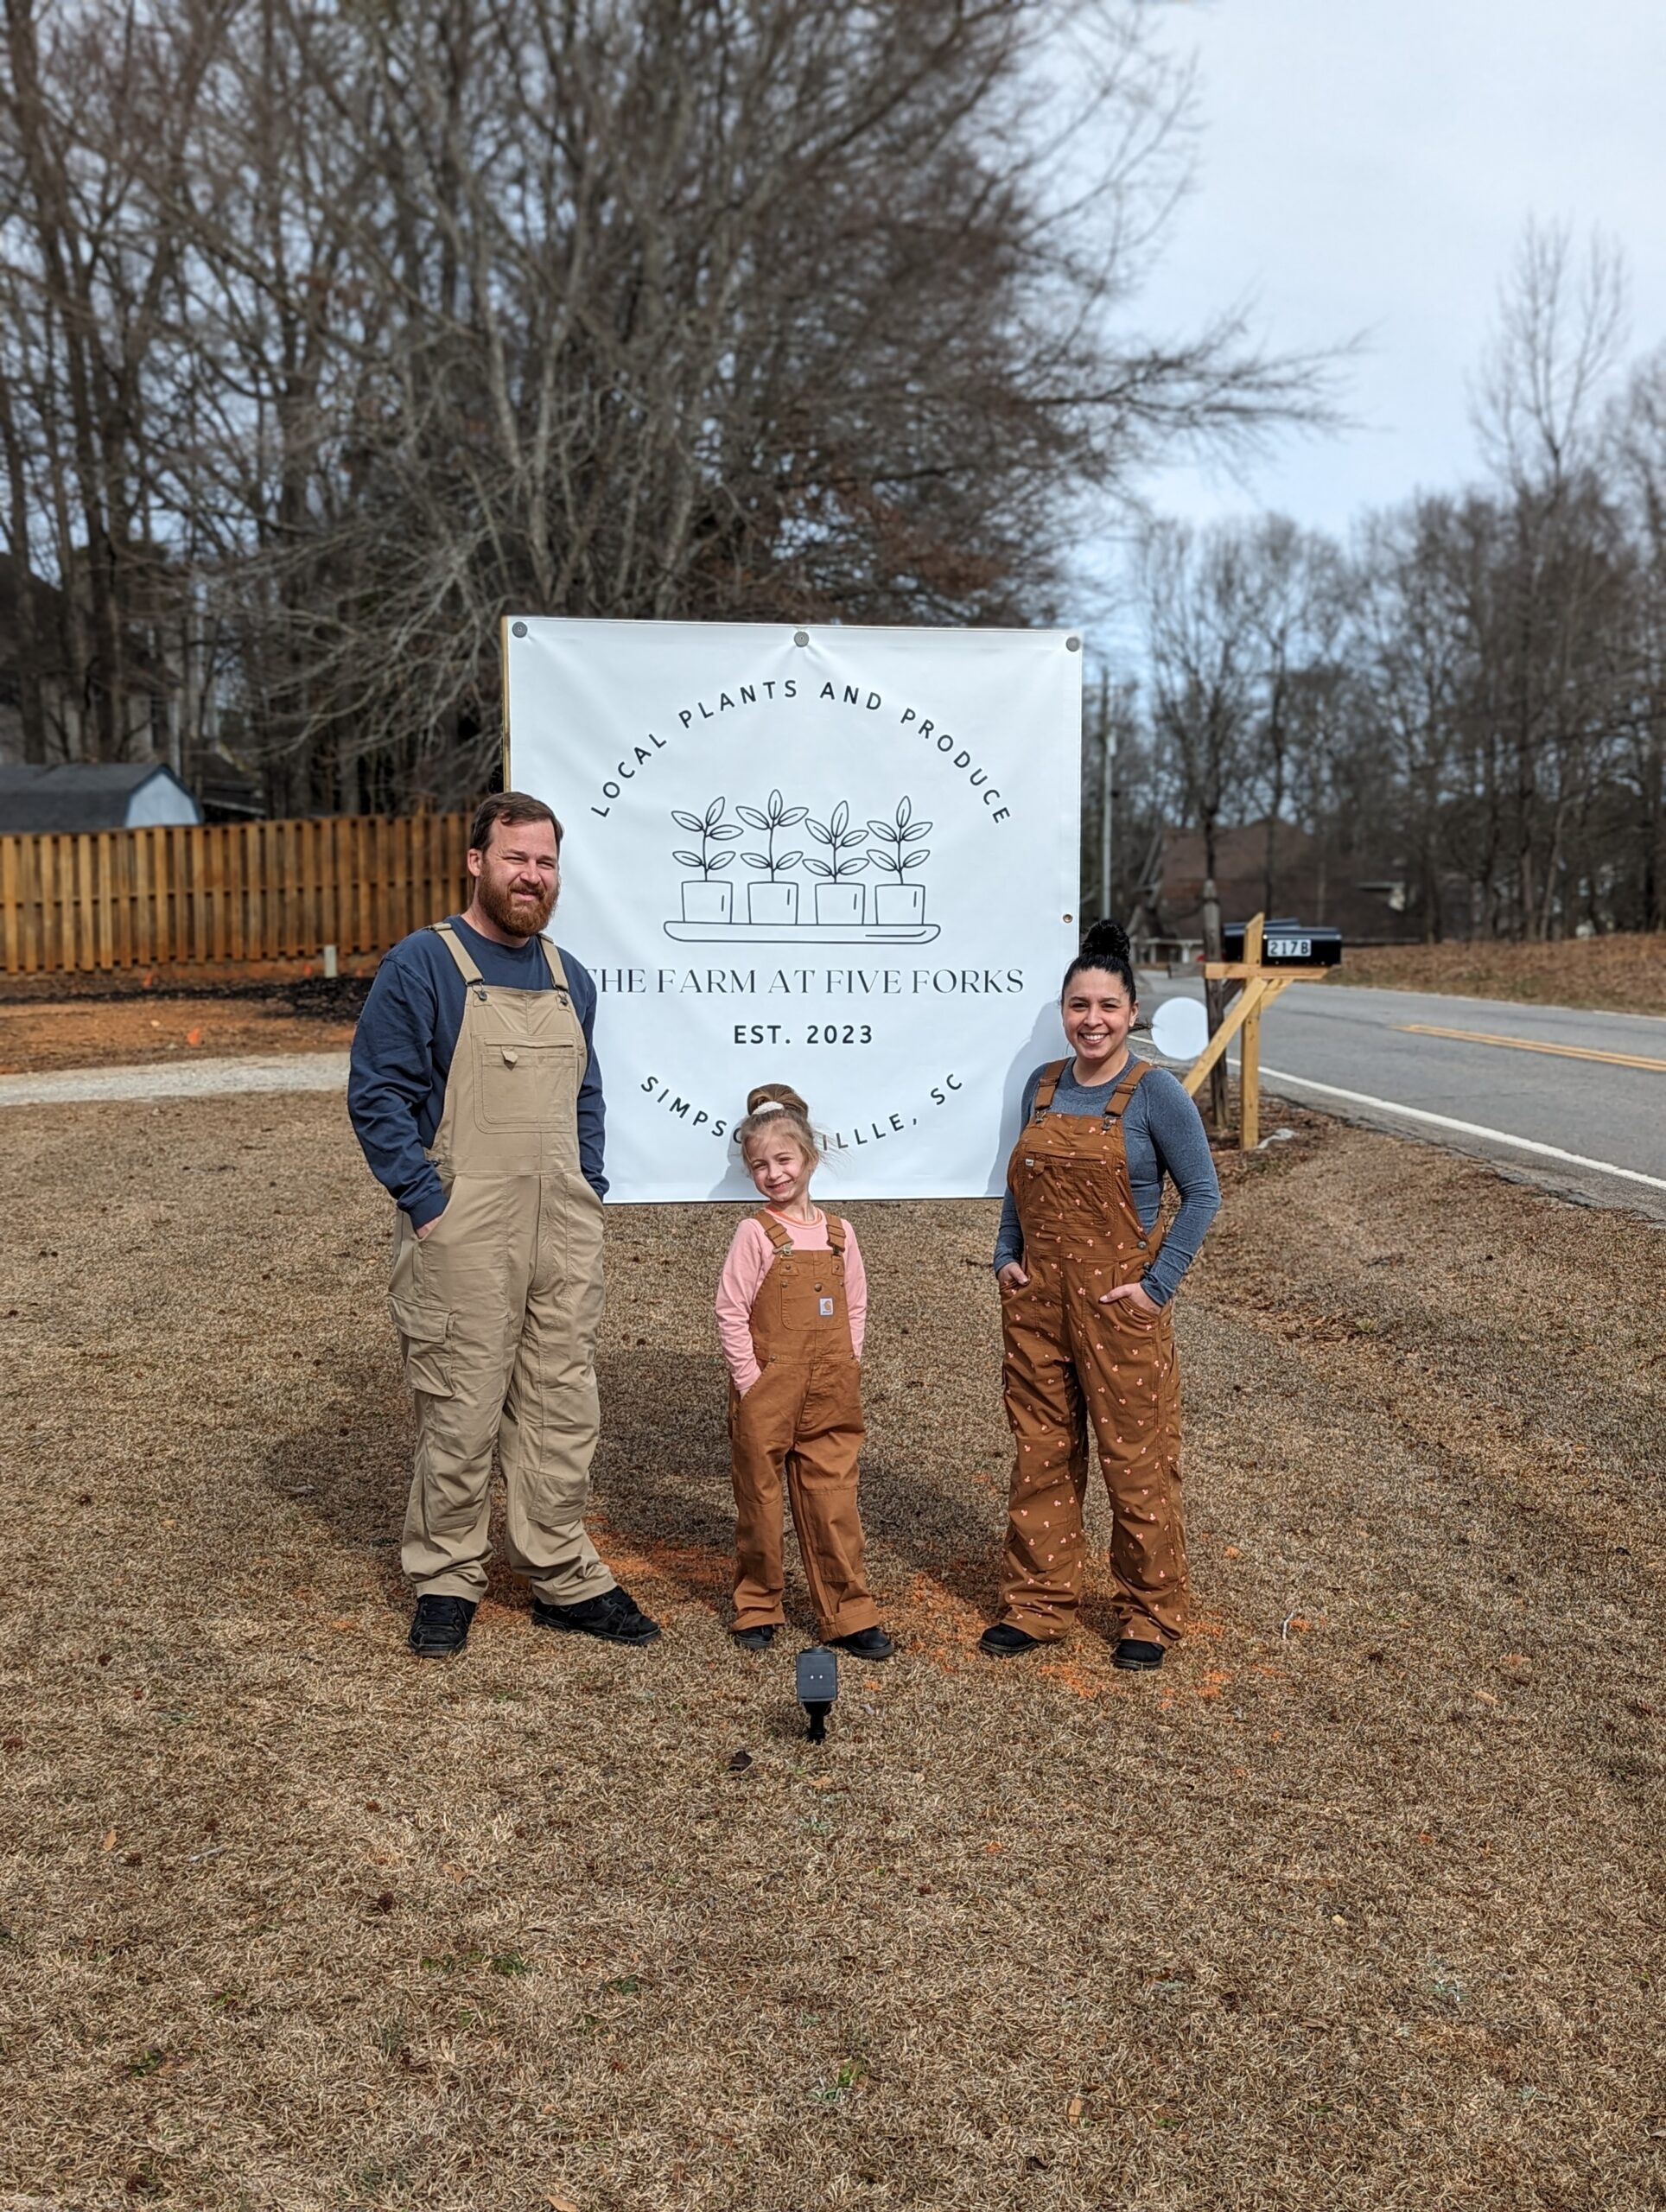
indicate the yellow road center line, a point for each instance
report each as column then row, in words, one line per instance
column 1524, row 1044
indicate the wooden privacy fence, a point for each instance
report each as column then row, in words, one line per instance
column 231, row 891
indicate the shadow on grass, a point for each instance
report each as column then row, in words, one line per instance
column 349, row 1468
column 663, row 1488
column 661, row 1491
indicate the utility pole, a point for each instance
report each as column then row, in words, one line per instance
column 1107, row 789
column 1214, row 997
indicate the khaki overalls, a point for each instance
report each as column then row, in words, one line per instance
column 497, row 1307
column 802, row 1415
column 1069, row 1360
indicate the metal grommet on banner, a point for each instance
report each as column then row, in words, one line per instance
column 517, row 629
column 801, row 637
column 1073, row 644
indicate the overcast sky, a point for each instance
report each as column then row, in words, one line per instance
column 1369, row 165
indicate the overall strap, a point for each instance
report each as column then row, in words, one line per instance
column 1045, row 1088
column 835, row 1229
column 455, row 945
column 1124, row 1087
column 772, row 1228
column 557, row 973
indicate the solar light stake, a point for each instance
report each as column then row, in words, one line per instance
column 818, row 1686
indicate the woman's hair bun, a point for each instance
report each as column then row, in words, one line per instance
column 777, row 1094
column 1106, row 946
column 1106, row 940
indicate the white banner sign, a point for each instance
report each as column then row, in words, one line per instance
column 843, row 859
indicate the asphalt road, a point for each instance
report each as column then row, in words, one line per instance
column 1569, row 1098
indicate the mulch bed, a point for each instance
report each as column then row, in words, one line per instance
column 1357, row 1905
column 1623, row 974
column 131, row 1028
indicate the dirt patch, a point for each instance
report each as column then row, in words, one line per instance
column 1621, row 973
column 42, row 1035
column 1357, row 1905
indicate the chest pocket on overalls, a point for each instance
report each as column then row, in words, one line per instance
column 807, row 1293
column 522, row 1086
column 1066, row 1179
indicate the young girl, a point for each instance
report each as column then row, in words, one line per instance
column 790, row 1310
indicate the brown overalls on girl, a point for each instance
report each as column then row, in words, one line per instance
column 802, row 1416
column 1069, row 1360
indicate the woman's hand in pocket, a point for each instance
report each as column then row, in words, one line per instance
column 1012, row 1277
column 1135, row 1295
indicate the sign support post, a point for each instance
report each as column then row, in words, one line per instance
column 1260, row 986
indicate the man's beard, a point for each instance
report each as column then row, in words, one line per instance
column 519, row 916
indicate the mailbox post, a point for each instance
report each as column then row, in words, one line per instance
column 1271, row 956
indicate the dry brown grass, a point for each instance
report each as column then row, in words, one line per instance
column 1624, row 975
column 1357, row 1906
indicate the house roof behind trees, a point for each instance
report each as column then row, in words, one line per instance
column 92, row 795
column 1361, row 892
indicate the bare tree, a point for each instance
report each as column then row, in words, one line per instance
column 1202, row 664
column 327, row 335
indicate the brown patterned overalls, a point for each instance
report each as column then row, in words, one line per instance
column 1069, row 1360
column 802, row 1415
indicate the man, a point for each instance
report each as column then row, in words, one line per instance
column 476, row 1093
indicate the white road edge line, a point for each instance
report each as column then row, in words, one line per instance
column 1466, row 1128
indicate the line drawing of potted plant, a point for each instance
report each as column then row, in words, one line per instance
column 705, row 900
column 897, row 900
column 837, row 899
column 771, row 900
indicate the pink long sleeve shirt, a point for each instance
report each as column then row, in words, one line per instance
column 748, row 1260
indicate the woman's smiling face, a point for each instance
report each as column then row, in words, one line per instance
column 1097, row 1014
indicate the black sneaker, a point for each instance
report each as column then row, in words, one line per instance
column 1003, row 1641
column 756, row 1639
column 1138, row 1656
column 615, row 1616
column 439, row 1626
column 864, row 1643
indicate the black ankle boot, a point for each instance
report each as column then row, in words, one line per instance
column 1003, row 1641
column 615, row 1616
column 864, row 1643
column 439, row 1627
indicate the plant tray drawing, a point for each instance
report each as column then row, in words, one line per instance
column 800, row 933
column 776, row 908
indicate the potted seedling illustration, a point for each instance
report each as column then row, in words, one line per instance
column 707, row 900
column 897, row 850
column 837, row 897
column 771, row 900
column 773, row 912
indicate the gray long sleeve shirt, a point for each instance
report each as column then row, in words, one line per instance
column 1163, row 1133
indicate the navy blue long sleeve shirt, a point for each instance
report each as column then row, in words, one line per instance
column 1163, row 1133
column 402, row 1053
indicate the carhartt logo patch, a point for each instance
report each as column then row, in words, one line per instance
column 826, row 1305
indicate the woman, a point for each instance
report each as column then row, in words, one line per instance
column 1086, row 1282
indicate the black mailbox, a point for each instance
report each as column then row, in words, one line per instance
column 1287, row 944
